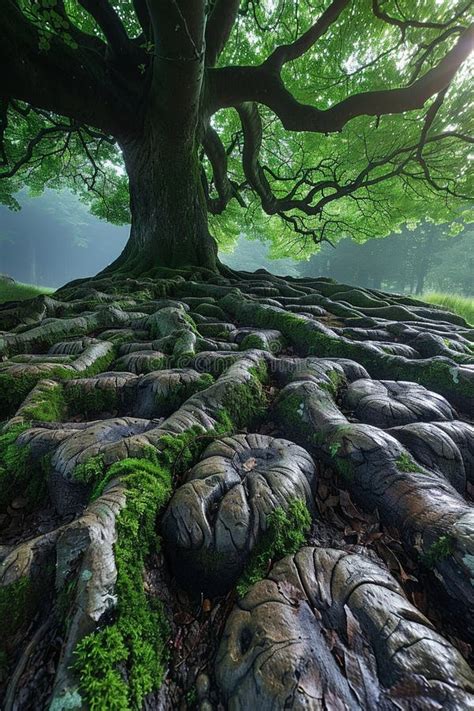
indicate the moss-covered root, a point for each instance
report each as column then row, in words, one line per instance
column 135, row 639
column 381, row 475
column 442, row 375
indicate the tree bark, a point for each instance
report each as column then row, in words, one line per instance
column 168, row 205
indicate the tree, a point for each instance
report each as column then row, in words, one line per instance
column 319, row 113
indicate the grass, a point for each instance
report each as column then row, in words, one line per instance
column 16, row 291
column 462, row 305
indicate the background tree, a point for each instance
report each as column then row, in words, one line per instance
column 336, row 117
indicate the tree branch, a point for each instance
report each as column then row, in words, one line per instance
column 219, row 27
column 216, row 153
column 110, row 24
column 288, row 52
column 70, row 81
column 231, row 86
column 324, row 192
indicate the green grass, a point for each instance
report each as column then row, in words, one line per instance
column 462, row 305
column 16, row 291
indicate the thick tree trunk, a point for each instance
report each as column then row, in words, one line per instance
column 168, row 206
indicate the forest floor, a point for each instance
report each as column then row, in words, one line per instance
column 235, row 492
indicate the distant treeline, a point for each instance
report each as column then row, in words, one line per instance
column 413, row 261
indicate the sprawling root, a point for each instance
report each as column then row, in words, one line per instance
column 209, row 413
column 276, row 652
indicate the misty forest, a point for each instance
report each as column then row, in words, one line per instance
column 236, row 355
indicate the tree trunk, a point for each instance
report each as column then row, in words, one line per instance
column 168, row 206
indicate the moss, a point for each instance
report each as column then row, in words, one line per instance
column 90, row 471
column 122, row 662
column 285, row 534
column 48, row 405
column 439, row 375
column 16, row 603
column 336, row 381
column 119, row 664
column 246, row 403
column 344, row 468
column 15, row 472
column 192, row 697
column 253, row 340
column 14, row 388
column 168, row 403
column 17, row 606
column 90, row 401
column 210, row 310
column 405, row 463
column 289, row 411
column 438, row 551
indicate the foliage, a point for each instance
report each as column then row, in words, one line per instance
column 323, row 182
column 285, row 534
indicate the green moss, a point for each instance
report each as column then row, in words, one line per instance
column 210, row 310
column 47, row 405
column 120, row 664
column 17, row 606
column 253, row 340
column 90, row 471
column 16, row 602
column 289, row 411
column 405, row 463
column 344, row 468
column 438, row 551
column 285, row 534
column 14, row 388
column 14, row 460
column 336, row 380
column 90, row 401
column 171, row 401
column 438, row 375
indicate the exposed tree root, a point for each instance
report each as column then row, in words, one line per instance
column 208, row 409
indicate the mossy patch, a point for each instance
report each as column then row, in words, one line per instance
column 18, row 604
column 14, row 469
column 438, row 551
column 47, row 404
column 120, row 664
column 90, row 472
column 405, row 463
column 90, row 401
column 285, row 534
